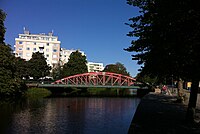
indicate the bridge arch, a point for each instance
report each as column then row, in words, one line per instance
column 97, row 78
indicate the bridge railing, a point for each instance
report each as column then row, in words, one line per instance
column 97, row 78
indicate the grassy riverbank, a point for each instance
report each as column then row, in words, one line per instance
column 79, row 92
column 97, row 92
column 37, row 93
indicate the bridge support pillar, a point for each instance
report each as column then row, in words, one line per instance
column 117, row 92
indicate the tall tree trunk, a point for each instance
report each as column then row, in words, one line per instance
column 180, row 88
column 190, row 116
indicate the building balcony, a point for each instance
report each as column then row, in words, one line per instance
column 41, row 45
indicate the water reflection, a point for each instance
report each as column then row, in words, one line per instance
column 73, row 115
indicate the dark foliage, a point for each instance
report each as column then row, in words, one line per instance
column 168, row 40
column 38, row 66
column 76, row 64
column 10, row 84
column 22, row 69
column 56, row 72
column 116, row 68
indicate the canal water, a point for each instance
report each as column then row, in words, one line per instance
column 68, row 116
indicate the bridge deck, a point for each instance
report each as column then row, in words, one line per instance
column 85, row 86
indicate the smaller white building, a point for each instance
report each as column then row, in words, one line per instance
column 95, row 67
column 65, row 53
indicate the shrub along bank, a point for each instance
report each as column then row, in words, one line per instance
column 75, row 92
column 37, row 93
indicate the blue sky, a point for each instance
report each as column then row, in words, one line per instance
column 93, row 26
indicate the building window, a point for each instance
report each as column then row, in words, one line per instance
column 20, row 42
column 28, row 48
column 54, row 61
column 28, row 54
column 20, row 54
column 20, row 48
column 47, row 55
column 54, row 56
column 47, row 44
column 54, row 50
column 34, row 43
column 34, row 49
column 47, row 50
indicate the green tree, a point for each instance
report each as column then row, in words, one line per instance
column 56, row 71
column 10, row 84
column 76, row 64
column 151, row 81
column 118, row 68
column 38, row 66
column 167, row 41
column 22, row 69
column 2, row 28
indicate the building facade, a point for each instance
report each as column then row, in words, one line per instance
column 27, row 44
column 95, row 67
column 65, row 53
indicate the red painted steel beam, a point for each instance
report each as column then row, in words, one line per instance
column 97, row 78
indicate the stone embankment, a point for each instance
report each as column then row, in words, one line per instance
column 161, row 114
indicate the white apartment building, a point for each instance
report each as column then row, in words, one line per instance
column 27, row 44
column 95, row 67
column 65, row 53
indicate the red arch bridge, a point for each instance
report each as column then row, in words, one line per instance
column 95, row 79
